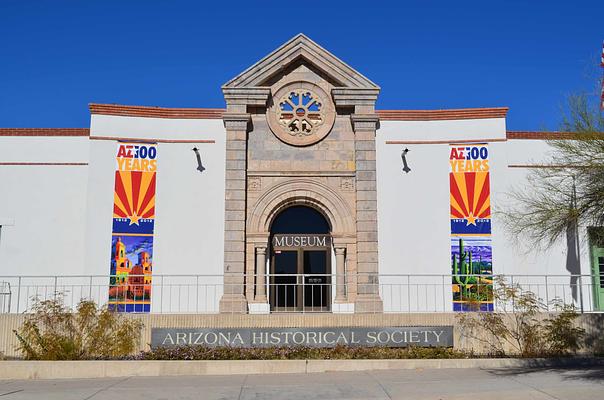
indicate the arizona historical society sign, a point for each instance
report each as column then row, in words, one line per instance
column 420, row 336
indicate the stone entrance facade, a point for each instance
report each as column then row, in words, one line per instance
column 300, row 128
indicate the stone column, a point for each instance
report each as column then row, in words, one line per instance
column 237, row 123
column 368, row 299
column 340, row 275
column 261, row 275
column 233, row 299
column 364, row 123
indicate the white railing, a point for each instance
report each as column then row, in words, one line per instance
column 307, row 293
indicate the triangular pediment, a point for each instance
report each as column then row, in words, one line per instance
column 300, row 50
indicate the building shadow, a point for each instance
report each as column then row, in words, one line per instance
column 573, row 265
column 572, row 369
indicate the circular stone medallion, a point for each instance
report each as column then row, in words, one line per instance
column 301, row 114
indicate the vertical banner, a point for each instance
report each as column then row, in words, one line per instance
column 470, row 200
column 133, row 223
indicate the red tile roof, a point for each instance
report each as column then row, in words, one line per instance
column 155, row 112
column 533, row 135
column 451, row 114
column 44, row 132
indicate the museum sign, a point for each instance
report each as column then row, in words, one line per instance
column 419, row 336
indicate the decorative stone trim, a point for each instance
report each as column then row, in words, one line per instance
column 254, row 184
column 354, row 97
column 365, row 122
column 301, row 191
column 301, row 173
column 253, row 96
column 301, row 114
column 347, row 184
column 236, row 121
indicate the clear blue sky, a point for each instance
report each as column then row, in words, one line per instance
column 58, row 56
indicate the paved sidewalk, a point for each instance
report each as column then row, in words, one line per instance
column 575, row 384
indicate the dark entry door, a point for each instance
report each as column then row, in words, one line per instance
column 300, row 268
column 284, row 281
column 316, row 282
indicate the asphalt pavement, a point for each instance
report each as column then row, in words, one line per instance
column 575, row 384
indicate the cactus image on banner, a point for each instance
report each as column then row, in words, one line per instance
column 133, row 225
column 470, row 217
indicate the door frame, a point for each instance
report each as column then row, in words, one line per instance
column 596, row 250
column 598, row 276
column 300, row 272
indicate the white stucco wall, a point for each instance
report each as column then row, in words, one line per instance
column 189, row 220
column 42, row 207
column 413, row 211
column 57, row 219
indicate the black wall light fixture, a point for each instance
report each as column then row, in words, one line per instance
column 200, row 166
column 406, row 168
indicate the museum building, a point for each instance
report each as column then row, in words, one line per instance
column 300, row 195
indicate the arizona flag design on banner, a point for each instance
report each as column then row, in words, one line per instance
column 470, row 215
column 133, row 225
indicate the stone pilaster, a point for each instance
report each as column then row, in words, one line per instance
column 237, row 123
column 261, row 275
column 233, row 299
column 340, row 274
column 365, row 126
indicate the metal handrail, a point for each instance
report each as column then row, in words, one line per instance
column 201, row 293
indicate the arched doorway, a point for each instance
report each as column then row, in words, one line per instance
column 300, row 261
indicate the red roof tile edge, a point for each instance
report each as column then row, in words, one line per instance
column 44, row 132
column 74, row 132
column 531, row 135
column 216, row 113
column 450, row 114
column 155, row 112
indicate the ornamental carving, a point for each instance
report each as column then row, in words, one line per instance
column 301, row 114
column 254, row 184
column 347, row 184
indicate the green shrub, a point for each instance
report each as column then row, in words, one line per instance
column 296, row 353
column 54, row 332
column 520, row 329
column 561, row 334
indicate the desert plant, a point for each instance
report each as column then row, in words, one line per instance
column 519, row 327
column 54, row 332
column 567, row 191
column 296, row 353
column 561, row 333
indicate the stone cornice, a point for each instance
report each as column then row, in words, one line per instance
column 354, row 97
column 365, row 122
column 256, row 96
column 236, row 121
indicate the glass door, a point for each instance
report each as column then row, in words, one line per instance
column 284, row 289
column 317, row 284
column 299, row 277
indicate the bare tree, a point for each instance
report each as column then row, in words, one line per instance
column 567, row 190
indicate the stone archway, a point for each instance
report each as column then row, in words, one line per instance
column 301, row 191
column 306, row 192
